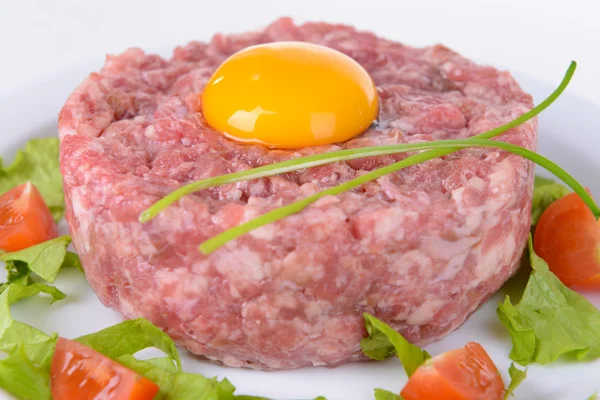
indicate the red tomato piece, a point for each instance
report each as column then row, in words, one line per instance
column 567, row 237
column 79, row 372
column 462, row 374
column 25, row 219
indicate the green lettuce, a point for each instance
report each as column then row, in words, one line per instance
column 38, row 164
column 45, row 259
column 20, row 292
column 175, row 384
column 120, row 342
column 381, row 394
column 193, row 386
column 30, row 352
column 545, row 192
column 37, row 346
column 178, row 385
column 129, row 337
column 20, row 377
column 516, row 377
column 550, row 320
column 72, row 261
column 25, row 370
column 384, row 341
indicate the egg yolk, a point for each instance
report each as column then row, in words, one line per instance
column 289, row 95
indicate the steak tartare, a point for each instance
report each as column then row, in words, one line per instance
column 420, row 249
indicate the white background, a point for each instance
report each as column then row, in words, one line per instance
column 38, row 37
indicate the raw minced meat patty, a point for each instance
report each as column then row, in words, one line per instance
column 421, row 248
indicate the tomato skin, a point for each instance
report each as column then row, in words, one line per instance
column 462, row 374
column 25, row 219
column 567, row 237
column 79, row 372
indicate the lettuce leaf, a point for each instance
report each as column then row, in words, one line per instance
column 20, row 292
column 193, row 386
column 178, row 385
column 37, row 163
column 45, row 259
column 381, row 394
column 516, row 377
column 37, row 346
column 129, row 337
column 25, row 372
column 20, row 377
column 120, row 342
column 384, row 341
column 30, row 352
column 72, row 261
column 159, row 370
column 545, row 192
column 247, row 397
column 550, row 320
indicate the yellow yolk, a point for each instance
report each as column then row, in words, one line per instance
column 289, row 95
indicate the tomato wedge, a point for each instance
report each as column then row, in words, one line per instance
column 79, row 372
column 462, row 374
column 567, row 237
column 25, row 219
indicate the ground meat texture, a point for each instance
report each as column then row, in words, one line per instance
column 420, row 249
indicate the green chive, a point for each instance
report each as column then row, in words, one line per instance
column 326, row 158
column 440, row 148
column 217, row 241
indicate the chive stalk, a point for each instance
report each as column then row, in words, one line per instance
column 217, row 241
column 435, row 149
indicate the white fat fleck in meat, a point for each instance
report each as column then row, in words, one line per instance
column 240, row 265
column 286, row 300
column 476, row 183
column 452, row 267
column 150, row 133
column 231, row 361
column 128, row 309
column 400, row 266
column 341, row 281
column 193, row 286
column 84, row 220
column 390, row 222
column 473, row 220
column 142, row 245
column 265, row 308
column 185, row 290
column 313, row 309
column 324, row 201
column 474, row 215
column 441, row 249
column 425, row 312
column 495, row 257
column 234, row 195
column 300, row 268
column 402, row 125
column 501, row 181
column 266, row 232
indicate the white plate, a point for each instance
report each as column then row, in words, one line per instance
column 569, row 134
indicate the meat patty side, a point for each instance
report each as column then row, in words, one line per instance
column 420, row 249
